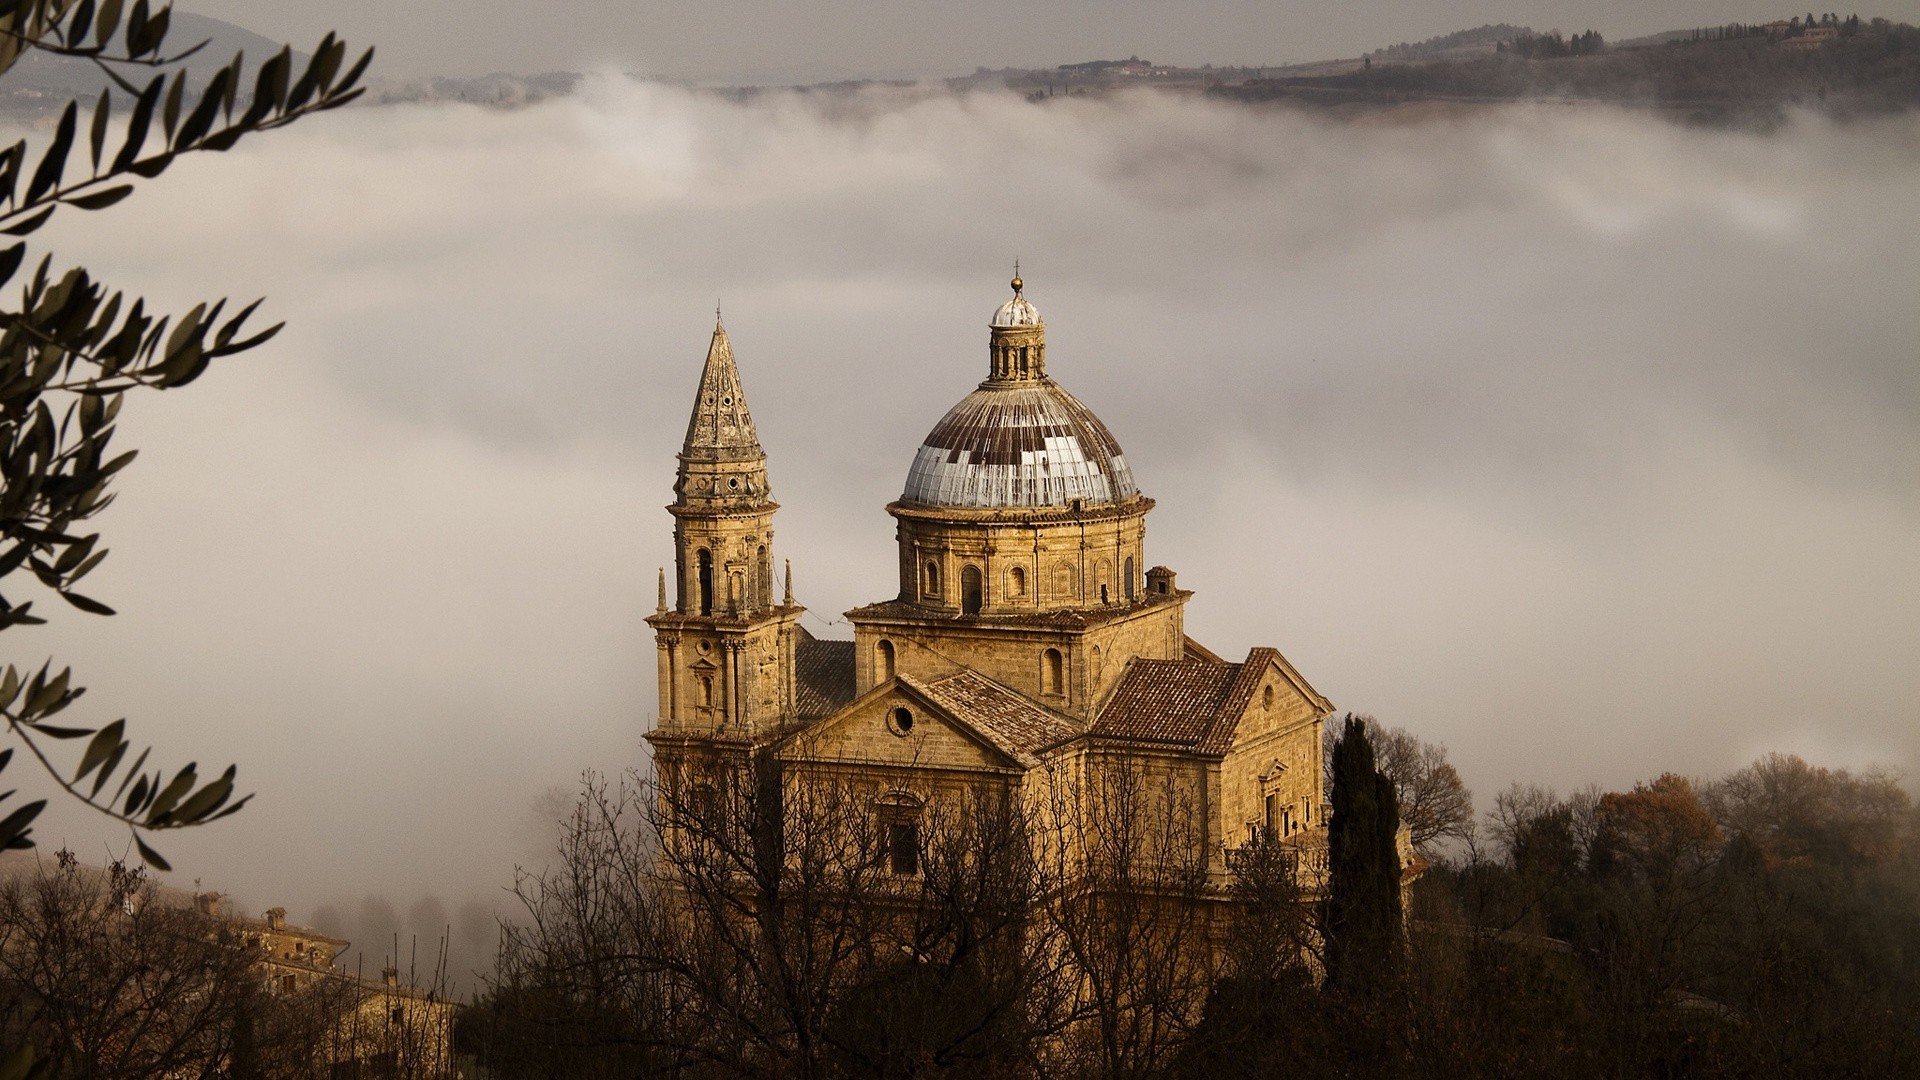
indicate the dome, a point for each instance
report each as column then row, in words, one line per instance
column 1025, row 444
column 1018, row 311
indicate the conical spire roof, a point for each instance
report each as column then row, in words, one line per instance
column 721, row 428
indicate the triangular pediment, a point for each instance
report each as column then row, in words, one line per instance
column 899, row 724
column 1270, row 697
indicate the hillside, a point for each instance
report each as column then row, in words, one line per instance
column 42, row 83
column 1744, row 78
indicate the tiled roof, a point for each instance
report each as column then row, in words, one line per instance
column 1193, row 650
column 822, row 676
column 1016, row 725
column 1072, row 619
column 1194, row 703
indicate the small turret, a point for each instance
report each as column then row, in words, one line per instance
column 1019, row 346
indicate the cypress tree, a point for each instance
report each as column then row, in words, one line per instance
column 1363, row 929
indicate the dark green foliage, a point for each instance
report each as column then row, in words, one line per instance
column 73, row 346
column 1364, row 913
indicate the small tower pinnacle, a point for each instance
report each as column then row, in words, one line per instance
column 661, row 609
column 1019, row 348
column 721, row 428
column 789, row 600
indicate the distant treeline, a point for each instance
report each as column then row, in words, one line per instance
column 1482, row 36
column 1552, row 44
column 1738, row 74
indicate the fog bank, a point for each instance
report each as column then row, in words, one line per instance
column 1581, row 443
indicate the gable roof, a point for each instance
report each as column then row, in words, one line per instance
column 1193, row 704
column 1193, row 650
column 1017, row 726
column 822, row 675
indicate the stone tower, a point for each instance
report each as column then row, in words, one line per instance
column 725, row 639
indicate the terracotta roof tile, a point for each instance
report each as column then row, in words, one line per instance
column 1193, row 650
column 1067, row 619
column 822, row 676
column 1015, row 724
column 1167, row 701
column 1219, row 735
column 1194, row 703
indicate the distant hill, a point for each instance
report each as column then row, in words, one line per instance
column 1457, row 45
column 1737, row 75
column 41, row 82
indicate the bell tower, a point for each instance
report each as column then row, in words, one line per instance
column 725, row 638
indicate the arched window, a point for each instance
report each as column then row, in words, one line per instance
column 1129, row 585
column 1096, row 658
column 763, row 589
column 970, row 598
column 706, row 691
column 883, row 668
column 1016, row 582
column 932, row 587
column 705, row 582
column 1053, row 672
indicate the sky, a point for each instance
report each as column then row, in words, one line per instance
column 766, row 41
column 1579, row 442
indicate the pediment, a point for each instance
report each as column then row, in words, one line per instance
column 1271, row 698
column 870, row 731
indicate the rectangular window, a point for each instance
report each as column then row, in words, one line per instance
column 1273, row 814
column 903, row 847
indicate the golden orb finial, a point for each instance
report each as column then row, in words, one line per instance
column 1016, row 277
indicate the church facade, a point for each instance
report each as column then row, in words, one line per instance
column 1030, row 651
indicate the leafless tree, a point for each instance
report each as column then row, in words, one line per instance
column 106, row 979
column 1130, row 902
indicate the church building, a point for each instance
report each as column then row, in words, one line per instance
column 1029, row 642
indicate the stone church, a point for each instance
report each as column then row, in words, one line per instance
column 1030, row 641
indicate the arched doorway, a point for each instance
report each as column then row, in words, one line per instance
column 970, row 598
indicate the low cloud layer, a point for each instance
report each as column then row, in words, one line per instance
column 1581, row 443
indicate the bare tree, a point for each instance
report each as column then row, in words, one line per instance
column 735, row 920
column 107, row 980
column 1130, row 903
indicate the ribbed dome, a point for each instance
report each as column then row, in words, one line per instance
column 1018, row 311
column 1019, row 444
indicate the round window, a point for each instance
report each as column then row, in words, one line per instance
column 900, row 721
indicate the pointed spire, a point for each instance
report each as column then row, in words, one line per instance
column 789, row 600
column 721, row 428
column 662, row 608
